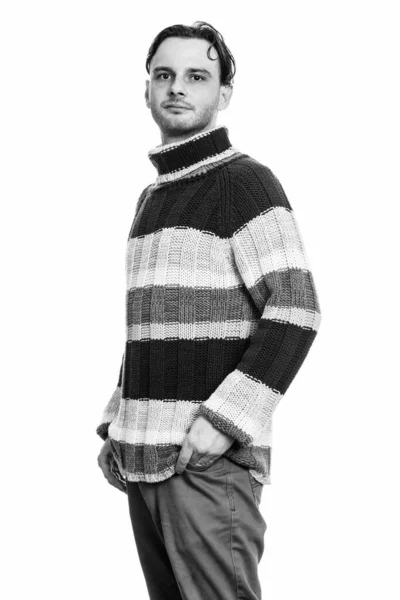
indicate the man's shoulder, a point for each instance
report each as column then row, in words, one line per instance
column 250, row 178
column 245, row 166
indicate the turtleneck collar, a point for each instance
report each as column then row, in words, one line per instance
column 178, row 159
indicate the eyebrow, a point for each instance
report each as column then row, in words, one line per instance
column 191, row 70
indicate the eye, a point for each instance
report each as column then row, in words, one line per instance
column 167, row 75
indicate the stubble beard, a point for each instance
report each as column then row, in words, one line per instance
column 179, row 124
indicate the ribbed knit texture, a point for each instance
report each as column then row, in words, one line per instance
column 221, row 309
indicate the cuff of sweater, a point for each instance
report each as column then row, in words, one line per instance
column 102, row 430
column 241, row 406
column 110, row 413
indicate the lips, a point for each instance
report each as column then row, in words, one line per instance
column 176, row 106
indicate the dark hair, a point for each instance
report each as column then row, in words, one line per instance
column 200, row 30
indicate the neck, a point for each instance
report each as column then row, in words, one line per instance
column 178, row 159
column 171, row 139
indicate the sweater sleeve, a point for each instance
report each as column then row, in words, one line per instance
column 110, row 412
column 270, row 257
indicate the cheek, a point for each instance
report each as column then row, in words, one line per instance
column 156, row 93
column 210, row 96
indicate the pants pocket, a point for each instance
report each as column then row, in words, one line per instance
column 216, row 464
column 256, row 488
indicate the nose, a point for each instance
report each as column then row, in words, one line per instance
column 177, row 87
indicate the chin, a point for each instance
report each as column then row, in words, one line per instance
column 178, row 127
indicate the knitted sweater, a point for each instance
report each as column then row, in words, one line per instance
column 221, row 309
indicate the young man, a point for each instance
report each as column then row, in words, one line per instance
column 221, row 311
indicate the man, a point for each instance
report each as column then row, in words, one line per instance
column 221, row 312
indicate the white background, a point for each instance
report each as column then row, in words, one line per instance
column 316, row 99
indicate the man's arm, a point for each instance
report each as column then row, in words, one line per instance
column 269, row 253
column 110, row 412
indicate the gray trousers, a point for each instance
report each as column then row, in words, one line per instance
column 200, row 535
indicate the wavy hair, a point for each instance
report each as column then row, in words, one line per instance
column 204, row 31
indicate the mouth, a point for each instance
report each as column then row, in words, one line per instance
column 180, row 106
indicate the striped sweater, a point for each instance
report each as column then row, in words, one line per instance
column 221, row 309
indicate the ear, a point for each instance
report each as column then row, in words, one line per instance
column 146, row 93
column 225, row 95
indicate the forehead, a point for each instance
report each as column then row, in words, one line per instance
column 182, row 53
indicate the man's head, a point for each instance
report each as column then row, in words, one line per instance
column 191, row 67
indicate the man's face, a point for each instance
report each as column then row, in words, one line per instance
column 181, row 73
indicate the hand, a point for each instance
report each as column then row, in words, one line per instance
column 104, row 463
column 203, row 442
